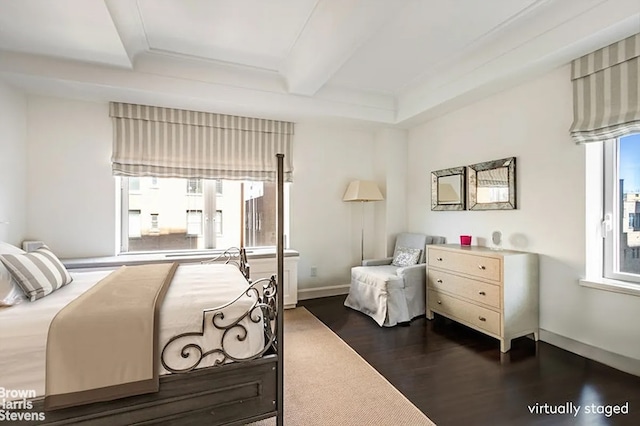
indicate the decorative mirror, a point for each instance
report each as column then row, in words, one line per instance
column 448, row 189
column 492, row 185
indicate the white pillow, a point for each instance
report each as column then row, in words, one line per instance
column 6, row 248
column 38, row 273
column 10, row 292
column 406, row 256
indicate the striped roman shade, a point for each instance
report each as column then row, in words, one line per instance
column 606, row 92
column 498, row 177
column 38, row 273
column 165, row 142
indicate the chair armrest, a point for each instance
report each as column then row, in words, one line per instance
column 413, row 272
column 377, row 262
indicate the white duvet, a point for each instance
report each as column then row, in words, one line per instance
column 24, row 327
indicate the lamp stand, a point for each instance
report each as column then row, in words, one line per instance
column 362, row 235
column 362, row 191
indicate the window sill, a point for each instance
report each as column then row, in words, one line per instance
column 140, row 259
column 611, row 285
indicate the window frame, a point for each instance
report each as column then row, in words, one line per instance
column 218, row 224
column 155, row 222
column 138, row 213
column 200, row 214
column 199, row 187
column 212, row 189
column 613, row 215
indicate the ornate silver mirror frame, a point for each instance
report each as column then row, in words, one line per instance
column 492, row 185
column 448, row 189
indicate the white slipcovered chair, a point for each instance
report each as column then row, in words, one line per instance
column 388, row 293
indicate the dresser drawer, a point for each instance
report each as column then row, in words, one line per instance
column 471, row 264
column 483, row 318
column 478, row 291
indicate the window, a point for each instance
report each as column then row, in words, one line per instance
column 171, row 214
column 218, row 219
column 154, row 222
column 194, row 222
column 194, row 186
column 134, row 184
column 621, row 223
column 134, row 223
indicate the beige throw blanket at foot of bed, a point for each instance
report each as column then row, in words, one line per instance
column 103, row 345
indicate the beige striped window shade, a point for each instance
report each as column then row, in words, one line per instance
column 493, row 178
column 606, row 92
column 166, row 142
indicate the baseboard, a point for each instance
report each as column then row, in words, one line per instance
column 617, row 361
column 317, row 292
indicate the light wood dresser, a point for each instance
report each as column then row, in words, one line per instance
column 492, row 291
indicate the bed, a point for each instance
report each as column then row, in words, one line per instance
column 217, row 354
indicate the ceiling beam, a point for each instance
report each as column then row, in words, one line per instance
column 189, row 90
column 128, row 22
column 334, row 31
column 561, row 32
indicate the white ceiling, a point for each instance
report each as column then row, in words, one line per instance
column 394, row 62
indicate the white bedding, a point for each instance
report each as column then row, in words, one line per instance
column 24, row 328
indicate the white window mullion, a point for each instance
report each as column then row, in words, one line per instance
column 609, row 226
column 124, row 214
column 209, row 189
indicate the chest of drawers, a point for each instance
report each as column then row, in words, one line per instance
column 495, row 292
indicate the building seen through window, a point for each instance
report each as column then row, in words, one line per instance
column 166, row 214
column 624, row 241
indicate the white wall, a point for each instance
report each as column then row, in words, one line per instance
column 390, row 167
column 530, row 122
column 72, row 196
column 71, row 192
column 328, row 231
column 324, row 229
column 13, row 165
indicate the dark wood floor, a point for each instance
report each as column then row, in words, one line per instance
column 457, row 376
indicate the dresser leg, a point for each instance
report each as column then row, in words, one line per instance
column 505, row 345
column 536, row 335
column 429, row 314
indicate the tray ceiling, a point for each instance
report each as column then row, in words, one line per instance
column 392, row 62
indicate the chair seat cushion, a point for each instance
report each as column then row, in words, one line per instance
column 382, row 276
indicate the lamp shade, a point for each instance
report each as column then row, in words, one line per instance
column 362, row 190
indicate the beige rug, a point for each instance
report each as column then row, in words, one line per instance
column 328, row 383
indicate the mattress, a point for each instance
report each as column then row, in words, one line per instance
column 195, row 287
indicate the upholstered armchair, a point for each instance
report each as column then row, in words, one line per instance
column 393, row 290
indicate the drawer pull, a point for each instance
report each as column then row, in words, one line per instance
column 439, row 259
column 439, row 281
column 439, row 302
column 482, row 267
column 482, row 293
column 482, row 318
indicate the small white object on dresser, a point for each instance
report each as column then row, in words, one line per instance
column 495, row 292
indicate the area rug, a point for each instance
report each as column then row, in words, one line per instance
column 328, row 383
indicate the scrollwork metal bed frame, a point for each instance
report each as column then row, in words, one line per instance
column 263, row 310
column 234, row 391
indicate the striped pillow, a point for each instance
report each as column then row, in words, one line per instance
column 38, row 273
